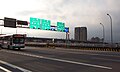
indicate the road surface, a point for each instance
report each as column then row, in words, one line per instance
column 33, row 59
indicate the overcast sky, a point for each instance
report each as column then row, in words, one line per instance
column 74, row 13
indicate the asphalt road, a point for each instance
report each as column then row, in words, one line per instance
column 58, row 60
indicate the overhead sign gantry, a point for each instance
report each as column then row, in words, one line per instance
column 36, row 23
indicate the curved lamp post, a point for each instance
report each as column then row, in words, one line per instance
column 111, row 29
column 103, row 32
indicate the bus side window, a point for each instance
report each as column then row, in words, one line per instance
column 2, row 40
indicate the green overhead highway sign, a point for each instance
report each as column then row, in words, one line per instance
column 43, row 24
column 46, row 24
column 34, row 23
column 60, row 26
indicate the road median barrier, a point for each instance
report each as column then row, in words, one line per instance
column 70, row 46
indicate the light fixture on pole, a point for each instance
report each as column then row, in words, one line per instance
column 111, row 29
column 103, row 32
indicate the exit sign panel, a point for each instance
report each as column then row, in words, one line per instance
column 34, row 23
column 60, row 26
column 46, row 24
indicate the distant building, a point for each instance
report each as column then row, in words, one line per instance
column 96, row 39
column 80, row 33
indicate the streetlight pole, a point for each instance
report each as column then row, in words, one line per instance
column 103, row 32
column 111, row 29
column 67, row 39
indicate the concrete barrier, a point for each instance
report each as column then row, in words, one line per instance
column 63, row 45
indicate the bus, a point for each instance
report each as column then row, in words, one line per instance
column 14, row 41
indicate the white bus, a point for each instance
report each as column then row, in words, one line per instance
column 13, row 41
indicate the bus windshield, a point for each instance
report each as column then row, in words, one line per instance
column 18, row 40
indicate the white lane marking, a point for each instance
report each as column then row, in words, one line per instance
column 13, row 66
column 61, row 60
column 74, row 62
column 4, row 69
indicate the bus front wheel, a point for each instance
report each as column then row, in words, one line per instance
column 19, row 48
column 8, row 47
